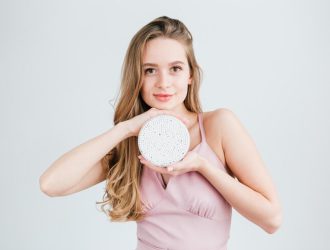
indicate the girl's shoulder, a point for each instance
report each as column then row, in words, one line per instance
column 218, row 118
column 215, row 124
column 221, row 123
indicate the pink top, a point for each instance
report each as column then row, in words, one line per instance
column 188, row 213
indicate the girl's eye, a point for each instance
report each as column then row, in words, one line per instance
column 177, row 68
column 149, row 71
column 152, row 70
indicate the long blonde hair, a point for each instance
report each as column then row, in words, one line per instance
column 122, row 193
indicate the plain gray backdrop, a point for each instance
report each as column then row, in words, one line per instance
column 60, row 62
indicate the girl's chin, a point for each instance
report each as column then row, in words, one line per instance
column 166, row 106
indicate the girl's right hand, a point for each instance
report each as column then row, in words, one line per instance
column 135, row 124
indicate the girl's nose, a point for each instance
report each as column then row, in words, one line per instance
column 164, row 80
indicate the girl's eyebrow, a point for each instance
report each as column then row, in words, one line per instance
column 155, row 64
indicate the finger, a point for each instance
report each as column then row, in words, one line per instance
column 152, row 166
column 140, row 157
column 174, row 171
column 169, row 112
column 145, row 161
column 156, row 168
column 184, row 120
column 170, row 169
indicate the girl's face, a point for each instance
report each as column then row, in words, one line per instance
column 165, row 74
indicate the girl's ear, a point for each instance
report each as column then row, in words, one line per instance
column 190, row 80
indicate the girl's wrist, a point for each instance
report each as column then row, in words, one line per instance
column 203, row 165
column 126, row 127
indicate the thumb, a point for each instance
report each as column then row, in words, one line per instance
column 184, row 120
column 174, row 166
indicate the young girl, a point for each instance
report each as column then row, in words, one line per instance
column 186, row 205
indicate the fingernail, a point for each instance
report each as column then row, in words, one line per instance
column 170, row 168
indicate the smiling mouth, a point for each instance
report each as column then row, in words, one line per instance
column 163, row 97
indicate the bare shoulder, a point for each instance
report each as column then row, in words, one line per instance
column 220, row 115
column 231, row 140
column 216, row 122
column 219, row 119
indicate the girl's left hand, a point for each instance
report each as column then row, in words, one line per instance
column 191, row 162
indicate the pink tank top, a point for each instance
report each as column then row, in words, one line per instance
column 188, row 213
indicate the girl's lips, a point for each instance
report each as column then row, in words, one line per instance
column 163, row 98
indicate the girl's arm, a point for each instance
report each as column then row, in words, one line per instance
column 81, row 167
column 253, row 194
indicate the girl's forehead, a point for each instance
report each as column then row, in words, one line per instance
column 164, row 49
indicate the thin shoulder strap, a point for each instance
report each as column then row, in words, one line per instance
column 201, row 126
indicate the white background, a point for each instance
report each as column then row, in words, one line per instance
column 60, row 62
